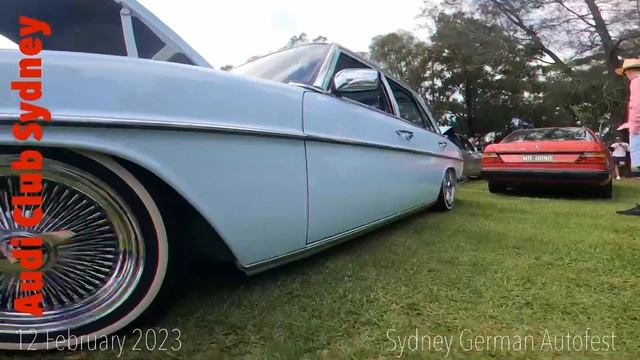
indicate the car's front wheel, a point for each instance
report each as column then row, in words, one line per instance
column 104, row 249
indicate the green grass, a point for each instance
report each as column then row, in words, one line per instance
column 498, row 265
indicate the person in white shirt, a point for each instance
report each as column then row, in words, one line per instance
column 619, row 154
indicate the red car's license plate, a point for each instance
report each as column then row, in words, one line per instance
column 537, row 157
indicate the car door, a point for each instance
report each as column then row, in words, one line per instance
column 434, row 149
column 362, row 166
column 472, row 157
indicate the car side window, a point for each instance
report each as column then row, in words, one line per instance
column 454, row 139
column 376, row 98
column 466, row 144
column 149, row 44
column 430, row 121
column 407, row 107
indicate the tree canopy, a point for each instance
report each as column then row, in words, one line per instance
column 546, row 62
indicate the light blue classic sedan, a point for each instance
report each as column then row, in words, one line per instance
column 151, row 154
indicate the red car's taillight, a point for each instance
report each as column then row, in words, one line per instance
column 594, row 158
column 491, row 158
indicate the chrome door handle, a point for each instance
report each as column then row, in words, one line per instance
column 443, row 144
column 408, row 135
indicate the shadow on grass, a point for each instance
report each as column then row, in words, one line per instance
column 206, row 278
column 565, row 192
column 205, row 274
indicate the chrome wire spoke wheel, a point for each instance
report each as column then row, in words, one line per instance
column 93, row 249
column 449, row 189
column 447, row 197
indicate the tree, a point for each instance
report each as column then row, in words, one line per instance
column 472, row 73
column 303, row 39
column 481, row 64
column 521, row 27
column 546, row 62
column 402, row 55
column 320, row 39
column 590, row 33
column 297, row 40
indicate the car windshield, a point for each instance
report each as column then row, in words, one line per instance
column 552, row 134
column 300, row 64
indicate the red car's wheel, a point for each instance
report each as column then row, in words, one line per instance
column 496, row 188
column 606, row 192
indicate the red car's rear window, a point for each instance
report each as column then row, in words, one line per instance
column 550, row 134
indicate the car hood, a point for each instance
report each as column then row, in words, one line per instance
column 95, row 26
column 115, row 90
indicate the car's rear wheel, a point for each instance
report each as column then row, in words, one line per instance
column 104, row 247
column 606, row 191
column 496, row 188
column 447, row 197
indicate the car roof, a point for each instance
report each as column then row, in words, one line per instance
column 346, row 51
column 572, row 128
column 94, row 26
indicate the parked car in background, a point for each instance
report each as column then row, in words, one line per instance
column 472, row 156
column 569, row 155
column 150, row 150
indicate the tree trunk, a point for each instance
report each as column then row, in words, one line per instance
column 611, row 50
column 469, row 101
column 516, row 20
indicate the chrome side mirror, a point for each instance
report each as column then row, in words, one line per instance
column 356, row 80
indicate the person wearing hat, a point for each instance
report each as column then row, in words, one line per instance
column 631, row 69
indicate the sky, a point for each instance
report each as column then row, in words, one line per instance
column 228, row 32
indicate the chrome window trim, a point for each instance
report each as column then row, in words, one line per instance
column 127, row 31
column 322, row 84
column 353, row 102
column 332, row 59
column 430, row 116
column 419, row 98
column 121, row 123
column 310, row 87
column 328, row 242
column 163, row 32
column 385, row 88
column 165, row 53
column 413, row 95
column 323, row 78
column 392, row 99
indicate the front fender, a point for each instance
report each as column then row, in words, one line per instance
column 230, row 179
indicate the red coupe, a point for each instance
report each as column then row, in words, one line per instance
column 549, row 156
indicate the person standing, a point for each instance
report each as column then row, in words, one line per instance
column 631, row 69
column 619, row 155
